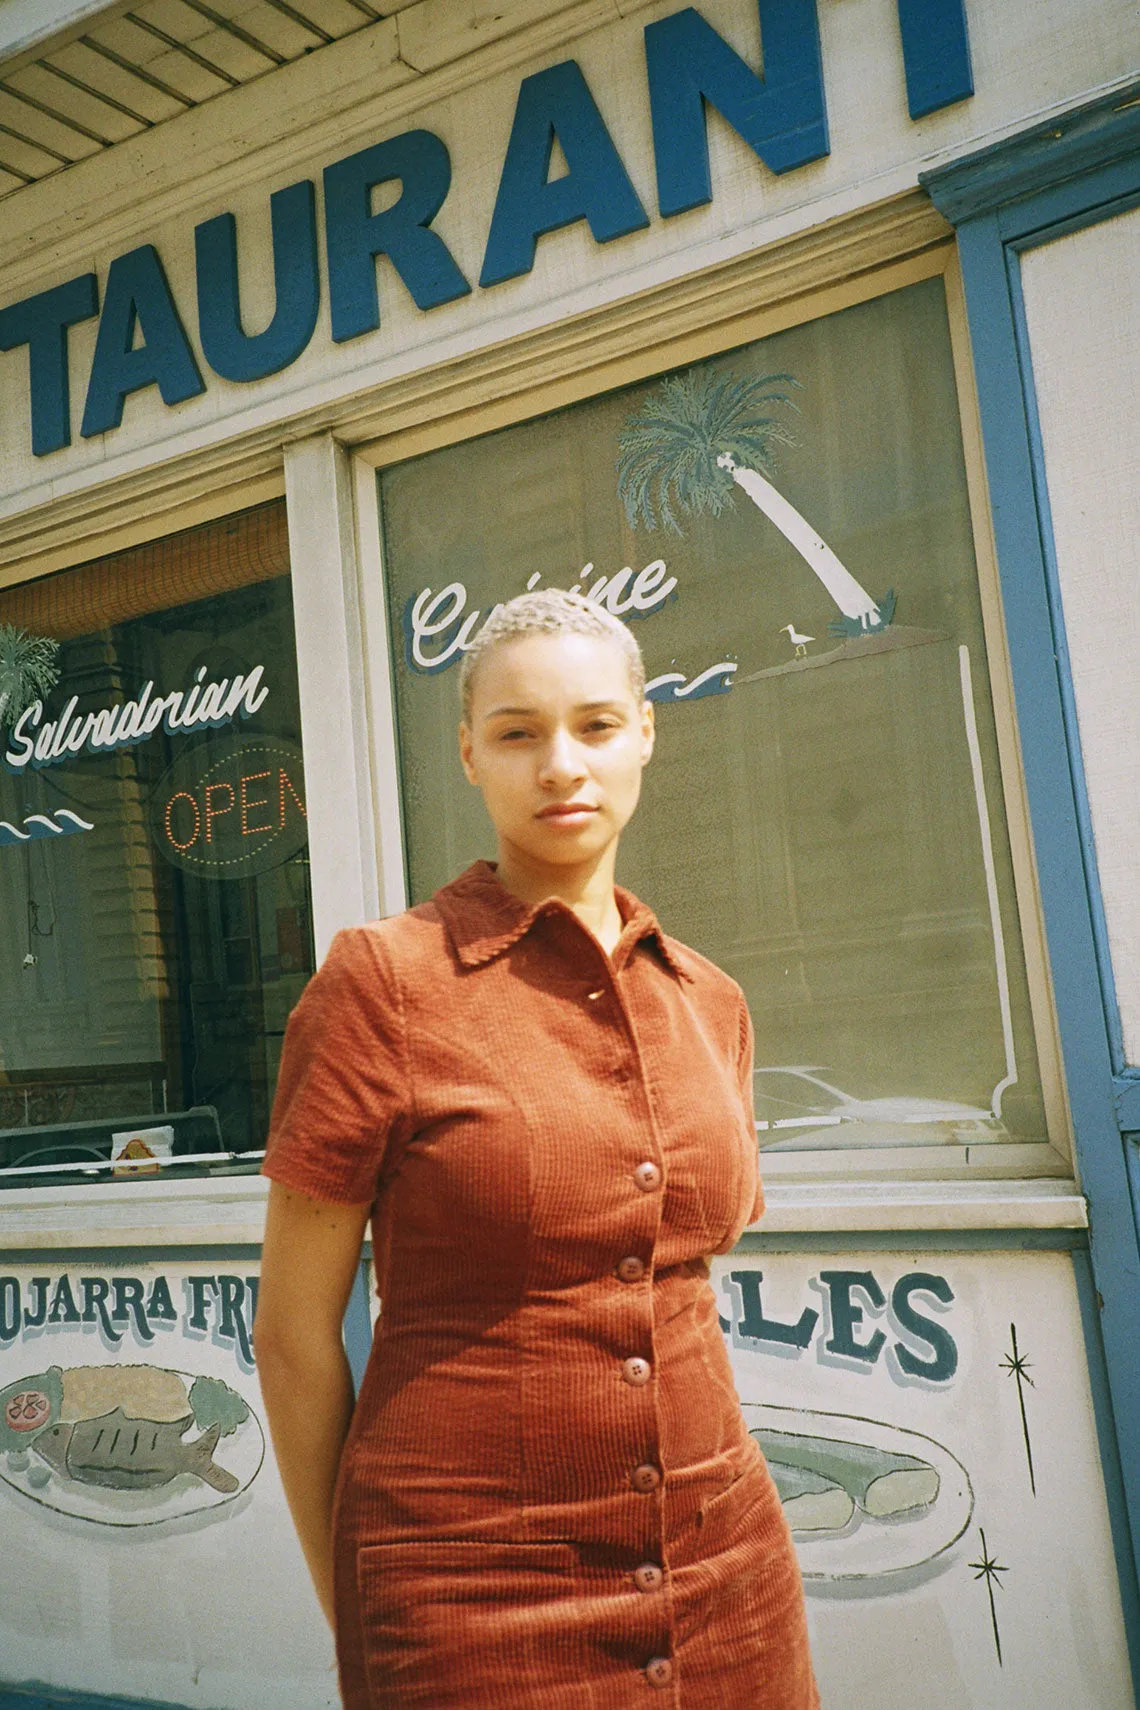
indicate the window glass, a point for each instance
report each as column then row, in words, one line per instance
column 786, row 526
column 154, row 910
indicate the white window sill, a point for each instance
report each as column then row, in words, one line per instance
column 832, row 1207
column 231, row 1212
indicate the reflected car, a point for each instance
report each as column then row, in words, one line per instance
column 796, row 1110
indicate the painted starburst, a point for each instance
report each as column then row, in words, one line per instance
column 1017, row 1366
column 27, row 670
column 990, row 1569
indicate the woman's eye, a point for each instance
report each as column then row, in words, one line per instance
column 602, row 724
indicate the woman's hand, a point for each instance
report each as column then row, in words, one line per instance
column 308, row 1267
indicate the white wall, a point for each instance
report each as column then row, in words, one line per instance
column 898, row 1605
column 1029, row 58
column 1082, row 301
column 199, row 1597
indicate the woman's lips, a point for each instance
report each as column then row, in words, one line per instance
column 567, row 813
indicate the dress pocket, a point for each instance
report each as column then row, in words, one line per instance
column 462, row 1622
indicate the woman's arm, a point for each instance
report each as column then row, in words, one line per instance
column 308, row 1266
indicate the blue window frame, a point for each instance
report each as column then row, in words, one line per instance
column 1062, row 175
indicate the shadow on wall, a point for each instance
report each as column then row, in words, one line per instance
column 37, row 1697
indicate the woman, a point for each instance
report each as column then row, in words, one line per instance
column 546, row 1494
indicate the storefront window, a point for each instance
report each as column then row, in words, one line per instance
column 787, row 527
column 154, row 909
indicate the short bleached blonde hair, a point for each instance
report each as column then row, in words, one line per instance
column 548, row 611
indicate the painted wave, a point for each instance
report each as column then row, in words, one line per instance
column 63, row 823
column 672, row 685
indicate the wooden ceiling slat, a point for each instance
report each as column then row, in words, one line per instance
column 25, row 159
column 279, row 33
column 106, row 76
column 50, row 133
column 336, row 17
column 230, row 26
column 84, row 88
column 174, row 17
column 190, row 55
column 10, row 171
column 35, row 104
column 139, row 71
column 97, row 118
column 297, row 17
column 148, row 63
column 234, row 56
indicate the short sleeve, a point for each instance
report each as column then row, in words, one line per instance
column 342, row 1083
column 745, row 1062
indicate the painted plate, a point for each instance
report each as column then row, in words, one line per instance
column 96, row 1428
column 876, row 1498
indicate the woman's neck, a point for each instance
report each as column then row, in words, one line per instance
column 587, row 890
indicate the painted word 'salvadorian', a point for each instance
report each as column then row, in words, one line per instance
column 205, row 705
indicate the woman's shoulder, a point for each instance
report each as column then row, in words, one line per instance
column 397, row 944
column 704, row 974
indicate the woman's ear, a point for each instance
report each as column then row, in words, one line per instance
column 467, row 755
column 648, row 731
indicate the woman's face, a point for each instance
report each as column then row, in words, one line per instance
column 556, row 743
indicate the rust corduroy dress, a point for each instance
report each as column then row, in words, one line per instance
column 548, row 1499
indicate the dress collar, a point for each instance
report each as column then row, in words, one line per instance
column 484, row 919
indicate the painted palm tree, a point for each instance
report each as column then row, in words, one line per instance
column 27, row 670
column 700, row 435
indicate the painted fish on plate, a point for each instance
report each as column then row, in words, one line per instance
column 127, row 1444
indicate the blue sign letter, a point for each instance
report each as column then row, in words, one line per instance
column 232, row 353
column 355, row 236
column 845, row 1315
column 945, row 1361
column 936, row 54
column 41, row 323
column 137, row 298
column 753, row 1322
column 782, row 115
column 557, row 103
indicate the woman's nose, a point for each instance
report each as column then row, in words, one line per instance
column 562, row 761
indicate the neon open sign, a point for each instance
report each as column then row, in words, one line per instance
column 232, row 809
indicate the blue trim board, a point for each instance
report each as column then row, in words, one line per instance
column 1076, row 170
column 1042, row 157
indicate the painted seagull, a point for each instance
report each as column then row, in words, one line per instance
column 798, row 641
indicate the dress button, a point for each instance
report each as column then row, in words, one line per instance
column 648, row 1577
column 648, row 1176
column 659, row 1671
column 636, row 1371
column 631, row 1269
column 645, row 1479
